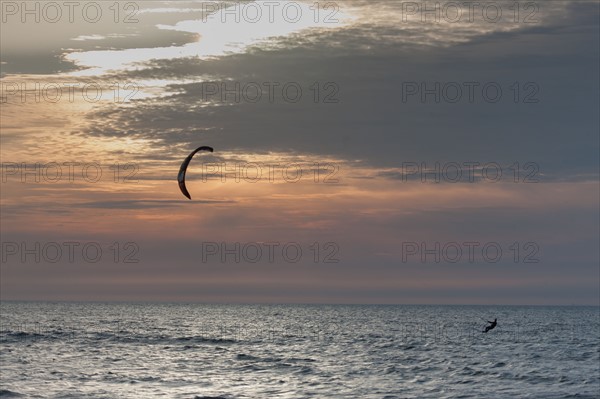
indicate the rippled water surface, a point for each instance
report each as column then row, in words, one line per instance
column 82, row 350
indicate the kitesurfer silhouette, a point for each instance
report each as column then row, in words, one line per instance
column 491, row 326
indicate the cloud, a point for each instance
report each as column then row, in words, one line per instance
column 146, row 204
column 372, row 122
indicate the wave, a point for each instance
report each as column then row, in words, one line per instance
column 5, row 393
column 83, row 336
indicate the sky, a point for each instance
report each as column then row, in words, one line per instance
column 364, row 152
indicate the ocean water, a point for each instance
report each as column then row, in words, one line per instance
column 97, row 350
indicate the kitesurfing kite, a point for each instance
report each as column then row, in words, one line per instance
column 183, row 169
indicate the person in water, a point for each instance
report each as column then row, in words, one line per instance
column 491, row 326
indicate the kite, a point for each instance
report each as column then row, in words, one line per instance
column 183, row 169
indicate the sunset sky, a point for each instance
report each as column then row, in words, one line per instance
column 378, row 101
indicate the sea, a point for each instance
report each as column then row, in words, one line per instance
column 202, row 351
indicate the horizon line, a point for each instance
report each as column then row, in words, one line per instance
column 149, row 302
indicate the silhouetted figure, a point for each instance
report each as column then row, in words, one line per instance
column 491, row 326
